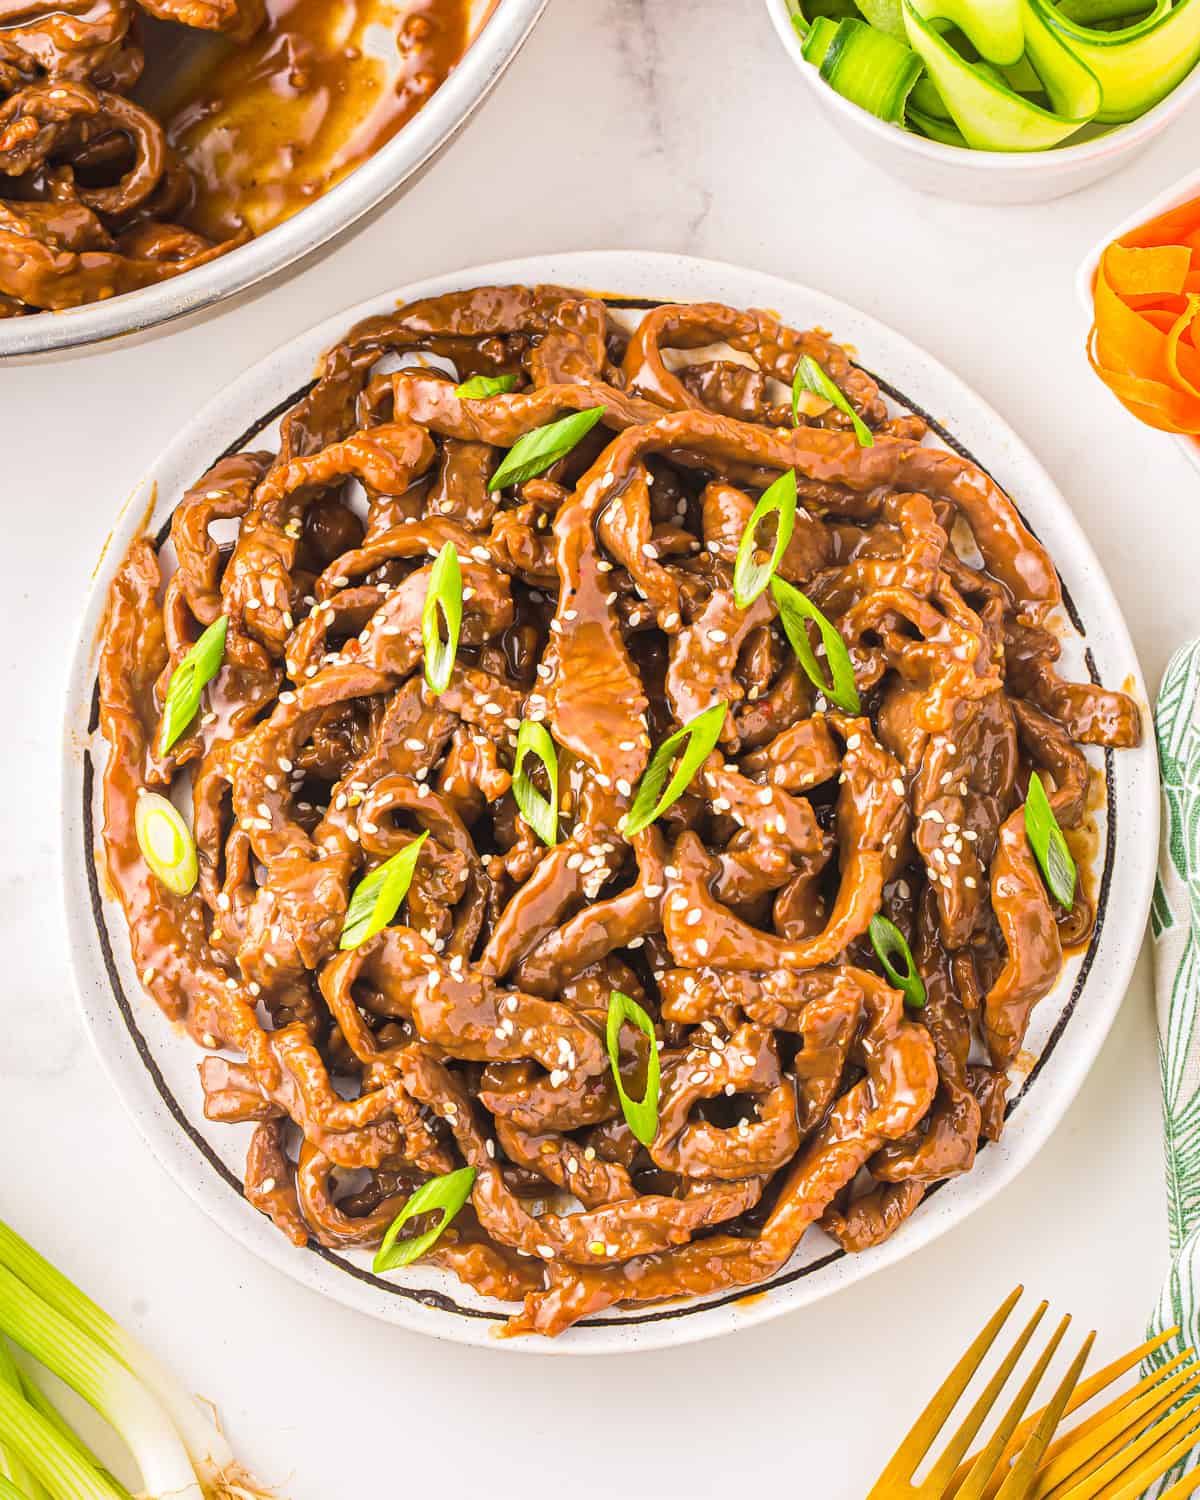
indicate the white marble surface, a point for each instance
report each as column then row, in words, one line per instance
column 623, row 124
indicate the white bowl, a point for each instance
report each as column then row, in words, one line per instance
column 1183, row 191
column 153, row 1067
column 983, row 176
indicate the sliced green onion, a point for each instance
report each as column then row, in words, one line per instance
column 1048, row 843
column 651, row 801
column 480, row 387
column 443, row 604
column 641, row 1115
column 448, row 1193
column 539, row 812
column 871, row 68
column 166, row 842
column 750, row 576
column 377, row 897
column 889, row 942
column 188, row 680
column 536, row 451
column 93, row 1335
column 811, row 377
column 794, row 609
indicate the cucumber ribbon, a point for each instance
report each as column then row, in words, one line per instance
column 1003, row 75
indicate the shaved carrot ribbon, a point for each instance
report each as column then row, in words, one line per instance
column 1145, row 337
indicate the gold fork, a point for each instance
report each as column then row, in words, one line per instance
column 1113, row 1454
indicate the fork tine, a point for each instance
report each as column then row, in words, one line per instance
column 1082, row 1394
column 1186, row 1486
column 1020, row 1481
column 943, row 1471
column 1148, row 1383
column 931, row 1421
column 1156, row 1463
column 984, row 1467
column 1141, row 1456
column 1081, row 1453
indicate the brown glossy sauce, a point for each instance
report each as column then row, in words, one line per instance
column 598, row 601
column 141, row 140
column 266, row 126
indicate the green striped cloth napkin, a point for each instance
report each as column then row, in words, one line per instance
column 1175, row 924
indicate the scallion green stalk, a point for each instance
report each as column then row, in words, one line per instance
column 19, row 1476
column 55, row 1464
column 59, row 1343
column 9, row 1491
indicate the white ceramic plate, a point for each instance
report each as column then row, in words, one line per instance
column 1183, row 191
column 153, row 1067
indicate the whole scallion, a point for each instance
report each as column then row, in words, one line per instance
column 180, row 1452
